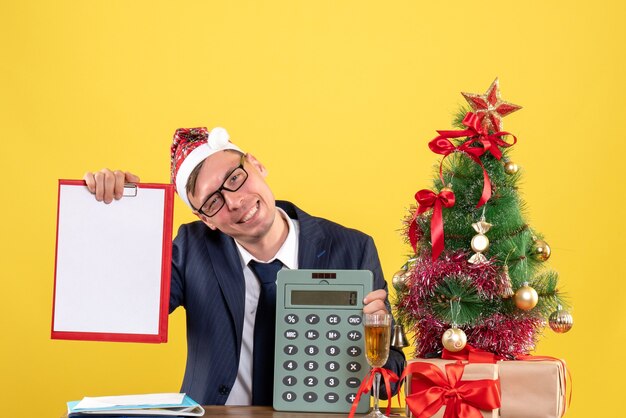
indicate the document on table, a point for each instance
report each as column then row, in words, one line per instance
column 172, row 404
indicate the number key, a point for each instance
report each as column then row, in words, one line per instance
column 290, row 365
column 289, row 396
column 332, row 350
column 332, row 366
column 289, row 380
column 290, row 350
column 311, row 350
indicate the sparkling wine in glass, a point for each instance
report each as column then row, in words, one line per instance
column 377, row 336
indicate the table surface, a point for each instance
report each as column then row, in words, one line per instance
column 268, row 412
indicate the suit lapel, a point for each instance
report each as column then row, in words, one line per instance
column 314, row 246
column 229, row 274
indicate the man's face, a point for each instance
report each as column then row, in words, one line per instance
column 248, row 213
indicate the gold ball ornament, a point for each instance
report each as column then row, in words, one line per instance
column 541, row 250
column 454, row 339
column 399, row 279
column 526, row 297
column 510, row 167
column 561, row 321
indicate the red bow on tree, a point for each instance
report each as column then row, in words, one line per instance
column 428, row 199
column 477, row 134
column 431, row 390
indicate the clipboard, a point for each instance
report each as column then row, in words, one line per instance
column 113, row 264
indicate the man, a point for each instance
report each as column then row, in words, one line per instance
column 217, row 263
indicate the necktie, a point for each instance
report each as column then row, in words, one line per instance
column 264, row 328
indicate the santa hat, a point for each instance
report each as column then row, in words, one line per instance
column 192, row 146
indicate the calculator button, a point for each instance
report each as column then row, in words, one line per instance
column 290, row 350
column 353, row 366
column 332, row 366
column 310, row 396
column 311, row 365
column 312, row 334
column 312, row 319
column 333, row 335
column 310, row 381
column 331, row 397
column 354, row 320
column 289, row 396
column 351, row 397
column 290, row 365
column 353, row 382
column 291, row 319
column 354, row 351
column 289, row 380
column 333, row 319
column 311, row 350
column 332, row 350
column 331, row 381
column 291, row 334
column 354, row 335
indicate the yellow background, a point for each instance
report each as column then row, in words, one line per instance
column 339, row 100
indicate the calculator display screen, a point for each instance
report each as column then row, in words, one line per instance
column 324, row 297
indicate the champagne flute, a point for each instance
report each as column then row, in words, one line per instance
column 377, row 336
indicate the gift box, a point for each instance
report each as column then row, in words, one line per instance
column 476, row 379
column 532, row 388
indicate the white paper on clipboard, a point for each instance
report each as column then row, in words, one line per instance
column 113, row 264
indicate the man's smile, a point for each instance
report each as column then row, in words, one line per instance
column 250, row 214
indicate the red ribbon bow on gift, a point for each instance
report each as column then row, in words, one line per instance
column 477, row 134
column 366, row 386
column 471, row 354
column 428, row 199
column 431, row 390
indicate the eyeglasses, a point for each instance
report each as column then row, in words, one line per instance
column 216, row 201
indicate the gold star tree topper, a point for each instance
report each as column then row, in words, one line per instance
column 490, row 108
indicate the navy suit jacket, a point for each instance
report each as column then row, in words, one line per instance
column 207, row 279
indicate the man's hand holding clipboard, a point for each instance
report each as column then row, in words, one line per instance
column 107, row 185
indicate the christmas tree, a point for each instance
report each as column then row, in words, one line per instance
column 478, row 271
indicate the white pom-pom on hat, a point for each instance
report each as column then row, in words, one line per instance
column 218, row 138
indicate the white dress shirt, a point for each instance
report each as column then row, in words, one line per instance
column 241, row 392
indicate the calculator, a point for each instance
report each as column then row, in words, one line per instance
column 319, row 358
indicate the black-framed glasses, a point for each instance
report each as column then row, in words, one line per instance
column 216, row 201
